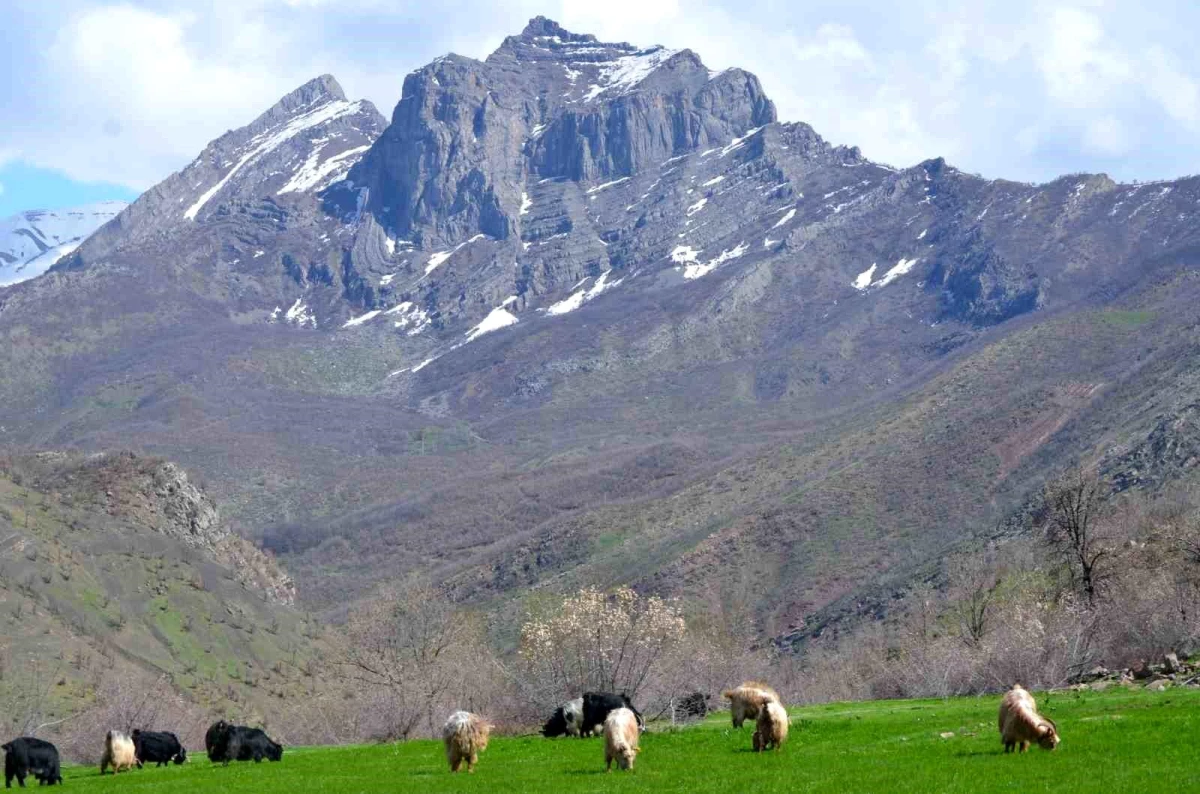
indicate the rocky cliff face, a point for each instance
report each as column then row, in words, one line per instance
column 469, row 137
column 158, row 495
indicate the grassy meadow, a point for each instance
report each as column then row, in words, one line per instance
column 1118, row 740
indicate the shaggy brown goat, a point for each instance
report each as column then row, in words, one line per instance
column 466, row 736
column 771, row 728
column 620, row 738
column 746, row 701
column 1021, row 724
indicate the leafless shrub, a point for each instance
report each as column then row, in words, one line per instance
column 421, row 656
column 126, row 700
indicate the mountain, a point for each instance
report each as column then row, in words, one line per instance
column 586, row 312
column 32, row 241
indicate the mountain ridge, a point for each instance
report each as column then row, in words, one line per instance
column 624, row 326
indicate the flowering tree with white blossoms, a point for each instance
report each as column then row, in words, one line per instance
column 596, row 641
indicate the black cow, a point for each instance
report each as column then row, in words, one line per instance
column 566, row 719
column 157, row 748
column 693, row 706
column 216, row 739
column 27, row 756
column 226, row 743
column 597, row 705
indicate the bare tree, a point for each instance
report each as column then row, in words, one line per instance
column 412, row 644
column 973, row 586
column 28, row 701
column 1076, row 530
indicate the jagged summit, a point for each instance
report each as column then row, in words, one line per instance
column 320, row 89
column 544, row 26
column 468, row 138
column 307, row 140
column 545, row 39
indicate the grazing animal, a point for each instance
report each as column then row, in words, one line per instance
column 693, row 706
column 596, row 708
column 29, row 756
column 621, row 730
column 466, row 736
column 216, row 739
column 153, row 747
column 566, row 720
column 119, row 753
column 771, row 727
column 1021, row 724
column 746, row 701
column 226, row 743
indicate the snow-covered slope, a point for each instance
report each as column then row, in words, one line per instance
column 32, row 241
column 307, row 141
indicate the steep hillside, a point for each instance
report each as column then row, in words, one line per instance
column 589, row 312
column 118, row 563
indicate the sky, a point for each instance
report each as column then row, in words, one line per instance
column 103, row 99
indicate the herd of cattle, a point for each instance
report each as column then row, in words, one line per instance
column 466, row 735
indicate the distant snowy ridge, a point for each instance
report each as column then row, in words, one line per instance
column 32, row 241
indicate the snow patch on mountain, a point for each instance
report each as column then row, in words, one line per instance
column 581, row 297
column 498, row 318
column 626, row 72
column 362, row 318
column 317, row 175
column 440, row 257
column 298, row 315
column 863, row 279
column 410, row 318
column 697, row 270
column 269, row 140
column 899, row 269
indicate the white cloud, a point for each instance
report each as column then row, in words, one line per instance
column 1106, row 136
column 133, row 97
column 1021, row 89
column 1178, row 93
column 1080, row 66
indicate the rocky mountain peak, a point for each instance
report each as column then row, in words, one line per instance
column 469, row 137
column 543, row 26
column 303, row 143
column 316, row 92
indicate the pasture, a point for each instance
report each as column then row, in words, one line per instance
column 1118, row 740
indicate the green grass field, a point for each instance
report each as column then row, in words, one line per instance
column 1112, row 741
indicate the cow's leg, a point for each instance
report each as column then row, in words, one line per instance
column 471, row 761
